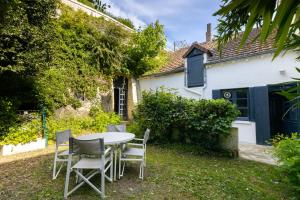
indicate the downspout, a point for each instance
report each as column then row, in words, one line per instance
column 138, row 89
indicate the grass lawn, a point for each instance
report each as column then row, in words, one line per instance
column 170, row 174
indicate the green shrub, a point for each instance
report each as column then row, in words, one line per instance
column 174, row 119
column 26, row 132
column 8, row 116
column 287, row 150
column 30, row 131
column 79, row 125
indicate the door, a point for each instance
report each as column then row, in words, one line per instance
column 291, row 118
column 120, row 97
column 283, row 118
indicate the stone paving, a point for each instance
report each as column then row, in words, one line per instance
column 259, row 153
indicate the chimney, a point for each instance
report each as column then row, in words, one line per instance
column 208, row 33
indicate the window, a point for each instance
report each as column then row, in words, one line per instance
column 195, row 69
column 239, row 97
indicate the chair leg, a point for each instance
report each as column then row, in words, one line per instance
column 141, row 170
column 115, row 164
column 145, row 157
column 54, row 167
column 111, row 170
column 67, row 177
column 102, row 183
column 123, row 168
column 120, row 154
column 140, row 174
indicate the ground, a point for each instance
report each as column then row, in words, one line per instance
column 171, row 173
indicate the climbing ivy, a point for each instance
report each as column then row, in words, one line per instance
column 68, row 55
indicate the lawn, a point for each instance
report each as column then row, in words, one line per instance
column 170, row 174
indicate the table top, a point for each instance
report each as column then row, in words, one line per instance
column 110, row 138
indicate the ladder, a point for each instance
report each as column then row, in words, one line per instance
column 122, row 99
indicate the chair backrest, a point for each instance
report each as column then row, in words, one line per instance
column 146, row 136
column 63, row 137
column 116, row 128
column 86, row 147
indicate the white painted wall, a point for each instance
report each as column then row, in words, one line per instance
column 247, row 72
column 10, row 149
column 246, row 130
column 174, row 81
column 251, row 72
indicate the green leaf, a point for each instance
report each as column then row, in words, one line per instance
column 250, row 24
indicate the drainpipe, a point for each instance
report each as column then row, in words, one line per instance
column 138, row 89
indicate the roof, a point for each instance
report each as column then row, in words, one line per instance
column 197, row 46
column 231, row 51
column 174, row 62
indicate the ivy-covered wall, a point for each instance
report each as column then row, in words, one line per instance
column 54, row 59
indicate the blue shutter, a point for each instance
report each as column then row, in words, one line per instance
column 195, row 71
column 259, row 104
column 216, row 94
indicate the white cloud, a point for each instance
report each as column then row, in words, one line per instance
column 117, row 11
column 182, row 19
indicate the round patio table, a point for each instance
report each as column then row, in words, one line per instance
column 115, row 139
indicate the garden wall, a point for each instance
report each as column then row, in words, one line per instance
column 11, row 149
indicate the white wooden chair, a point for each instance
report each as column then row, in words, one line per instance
column 93, row 156
column 135, row 152
column 62, row 139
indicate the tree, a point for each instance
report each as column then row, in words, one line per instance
column 25, row 34
column 145, row 49
column 100, row 6
column 59, row 60
column 278, row 17
column 282, row 17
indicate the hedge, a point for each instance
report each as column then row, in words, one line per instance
column 30, row 131
column 175, row 119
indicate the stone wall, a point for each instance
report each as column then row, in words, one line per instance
column 231, row 143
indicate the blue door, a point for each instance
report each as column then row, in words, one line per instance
column 283, row 118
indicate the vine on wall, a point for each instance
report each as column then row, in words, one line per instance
column 60, row 59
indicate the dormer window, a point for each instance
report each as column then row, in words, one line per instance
column 195, row 65
column 195, row 69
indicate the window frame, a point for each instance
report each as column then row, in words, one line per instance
column 233, row 99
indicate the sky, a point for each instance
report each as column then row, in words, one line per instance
column 182, row 19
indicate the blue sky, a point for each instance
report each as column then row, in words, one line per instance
column 183, row 19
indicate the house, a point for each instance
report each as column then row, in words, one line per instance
column 247, row 77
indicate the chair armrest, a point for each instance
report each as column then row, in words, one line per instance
column 135, row 144
column 138, row 139
column 107, row 150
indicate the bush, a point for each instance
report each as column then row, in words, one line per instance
column 32, row 130
column 27, row 132
column 79, row 125
column 287, row 150
column 8, row 116
column 174, row 119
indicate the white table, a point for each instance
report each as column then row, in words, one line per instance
column 111, row 138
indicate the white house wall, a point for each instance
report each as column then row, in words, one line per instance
column 251, row 72
column 174, row 81
column 247, row 72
